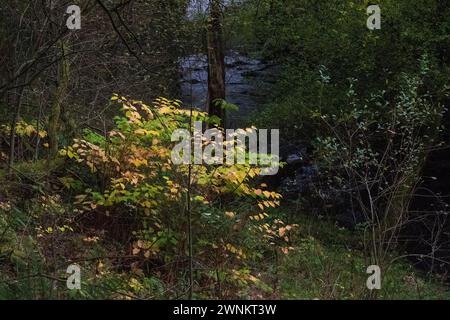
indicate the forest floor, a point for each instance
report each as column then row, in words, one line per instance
column 329, row 263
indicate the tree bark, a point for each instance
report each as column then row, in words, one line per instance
column 216, row 62
column 61, row 90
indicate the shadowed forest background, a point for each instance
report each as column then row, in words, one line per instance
column 86, row 175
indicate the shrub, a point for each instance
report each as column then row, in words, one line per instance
column 230, row 212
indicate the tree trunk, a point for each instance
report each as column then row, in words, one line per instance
column 15, row 119
column 216, row 62
column 61, row 90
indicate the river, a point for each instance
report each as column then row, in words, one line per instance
column 248, row 82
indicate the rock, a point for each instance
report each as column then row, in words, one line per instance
column 294, row 159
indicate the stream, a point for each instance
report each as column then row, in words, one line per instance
column 248, row 83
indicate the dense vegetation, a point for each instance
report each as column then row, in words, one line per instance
column 87, row 177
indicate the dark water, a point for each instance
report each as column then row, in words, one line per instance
column 248, row 83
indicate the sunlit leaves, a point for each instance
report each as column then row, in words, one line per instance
column 133, row 160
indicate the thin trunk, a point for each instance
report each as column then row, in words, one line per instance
column 189, row 217
column 61, row 90
column 216, row 62
column 12, row 133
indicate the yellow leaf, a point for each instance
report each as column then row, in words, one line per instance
column 140, row 132
column 29, row 130
column 230, row 214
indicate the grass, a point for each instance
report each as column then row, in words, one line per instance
column 329, row 263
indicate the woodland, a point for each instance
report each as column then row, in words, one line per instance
column 353, row 96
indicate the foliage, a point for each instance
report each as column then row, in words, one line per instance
column 137, row 174
column 368, row 106
column 321, row 45
column 30, row 137
column 375, row 153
